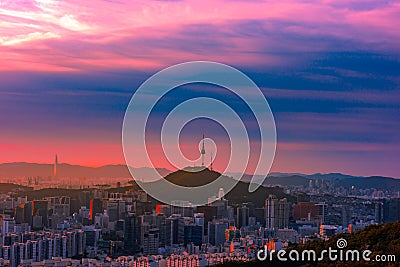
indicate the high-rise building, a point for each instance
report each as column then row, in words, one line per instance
column 115, row 209
column 193, row 234
column 7, row 226
column 19, row 214
column 151, row 241
column 59, row 206
column 391, row 210
column 210, row 213
column 216, row 232
column 276, row 212
column 271, row 212
column 378, row 212
column 283, row 213
column 55, row 167
column 242, row 216
column 130, row 233
column 322, row 211
column 40, row 208
column 96, row 206
column 346, row 215
column 160, row 222
column 175, row 223
column 183, row 208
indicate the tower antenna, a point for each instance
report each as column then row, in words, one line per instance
column 203, row 152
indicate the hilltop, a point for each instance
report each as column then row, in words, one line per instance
column 239, row 193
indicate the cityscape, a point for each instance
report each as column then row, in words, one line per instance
column 186, row 133
column 120, row 225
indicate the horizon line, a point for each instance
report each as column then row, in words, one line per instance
column 225, row 173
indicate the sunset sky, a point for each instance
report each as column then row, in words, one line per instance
column 330, row 70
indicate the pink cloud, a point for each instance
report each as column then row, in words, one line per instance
column 76, row 35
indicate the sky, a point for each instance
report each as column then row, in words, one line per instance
column 330, row 70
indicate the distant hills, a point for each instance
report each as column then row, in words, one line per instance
column 22, row 169
column 287, row 179
column 9, row 171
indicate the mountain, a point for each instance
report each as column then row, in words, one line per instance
column 239, row 194
column 9, row 171
column 193, row 177
column 347, row 181
column 23, row 170
column 282, row 180
column 384, row 183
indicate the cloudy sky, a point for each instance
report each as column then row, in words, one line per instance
column 329, row 69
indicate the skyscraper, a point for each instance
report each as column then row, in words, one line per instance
column 242, row 216
column 379, row 212
column 176, row 229
column 391, row 210
column 55, row 167
column 130, row 231
column 271, row 212
column 216, row 232
column 193, row 234
column 283, row 213
column 151, row 241
column 96, row 206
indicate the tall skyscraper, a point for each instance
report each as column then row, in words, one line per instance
column 283, row 213
column 216, row 232
column 322, row 207
column 193, row 234
column 130, row 232
column 242, row 216
column 176, row 229
column 391, row 210
column 55, row 167
column 96, row 206
column 379, row 212
column 7, row 226
column 271, row 212
column 276, row 212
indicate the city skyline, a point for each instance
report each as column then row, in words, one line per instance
column 328, row 69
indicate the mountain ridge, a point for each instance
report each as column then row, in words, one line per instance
column 25, row 169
